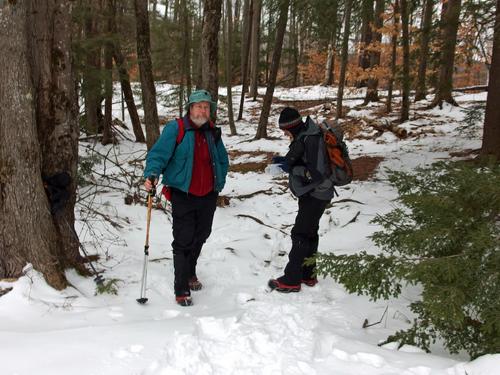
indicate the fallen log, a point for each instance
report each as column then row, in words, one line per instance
column 387, row 126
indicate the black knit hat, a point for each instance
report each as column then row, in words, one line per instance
column 289, row 118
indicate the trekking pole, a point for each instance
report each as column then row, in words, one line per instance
column 142, row 300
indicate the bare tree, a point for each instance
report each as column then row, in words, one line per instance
column 107, row 134
column 332, row 44
column 210, row 47
column 123, row 75
column 254, row 66
column 245, row 46
column 425, row 32
column 268, row 98
column 374, row 53
column 38, row 137
column 146, row 72
column 449, row 27
column 344, row 57
column 394, row 44
column 91, row 85
column 491, row 135
column 366, row 37
column 405, row 103
column 229, row 67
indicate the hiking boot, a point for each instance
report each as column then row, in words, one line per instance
column 184, row 300
column 310, row 282
column 195, row 284
column 281, row 287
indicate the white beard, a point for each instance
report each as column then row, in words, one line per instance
column 199, row 121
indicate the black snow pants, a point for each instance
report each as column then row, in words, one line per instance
column 192, row 225
column 304, row 239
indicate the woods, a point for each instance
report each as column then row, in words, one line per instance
column 68, row 65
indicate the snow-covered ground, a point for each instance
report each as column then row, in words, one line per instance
column 236, row 326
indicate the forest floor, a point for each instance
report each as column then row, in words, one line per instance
column 236, row 326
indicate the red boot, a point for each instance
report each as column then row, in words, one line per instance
column 283, row 288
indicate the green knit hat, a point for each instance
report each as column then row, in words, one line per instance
column 201, row 96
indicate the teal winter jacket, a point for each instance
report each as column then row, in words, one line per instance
column 175, row 162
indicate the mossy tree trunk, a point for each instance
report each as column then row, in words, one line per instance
column 38, row 137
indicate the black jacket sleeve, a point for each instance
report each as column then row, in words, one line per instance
column 295, row 152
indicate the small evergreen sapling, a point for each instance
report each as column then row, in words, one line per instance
column 445, row 237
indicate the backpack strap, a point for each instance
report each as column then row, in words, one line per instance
column 182, row 130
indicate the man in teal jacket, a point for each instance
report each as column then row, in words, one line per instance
column 192, row 158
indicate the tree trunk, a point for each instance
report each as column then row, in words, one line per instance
column 344, row 58
column 210, row 47
column 187, row 48
column 294, row 46
column 425, row 36
column 146, row 73
column 198, row 70
column 449, row 28
column 125, row 81
column 245, row 46
column 107, row 134
column 269, row 38
column 366, row 38
column 229, row 67
column 266, row 106
column 372, row 83
column 38, row 121
column 405, row 103
column 91, row 85
column 491, row 135
column 254, row 66
column 332, row 46
column 394, row 43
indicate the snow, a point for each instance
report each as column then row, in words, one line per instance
column 236, row 326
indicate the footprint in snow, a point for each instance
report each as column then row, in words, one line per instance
column 115, row 312
column 125, row 353
column 366, row 358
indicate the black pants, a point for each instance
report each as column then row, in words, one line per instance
column 304, row 240
column 192, row 225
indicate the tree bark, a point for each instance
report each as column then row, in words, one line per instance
column 187, row 47
column 425, row 36
column 38, row 137
column 210, row 47
column 146, row 73
column 372, row 83
column 107, row 134
column 91, row 85
column 229, row 67
column 344, row 58
column 280, row 33
column 491, row 135
column 254, row 66
column 449, row 27
column 245, row 46
column 125, row 81
column 332, row 46
column 294, row 58
column 366, row 38
column 394, row 43
column 405, row 103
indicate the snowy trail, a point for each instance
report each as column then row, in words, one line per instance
column 235, row 326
